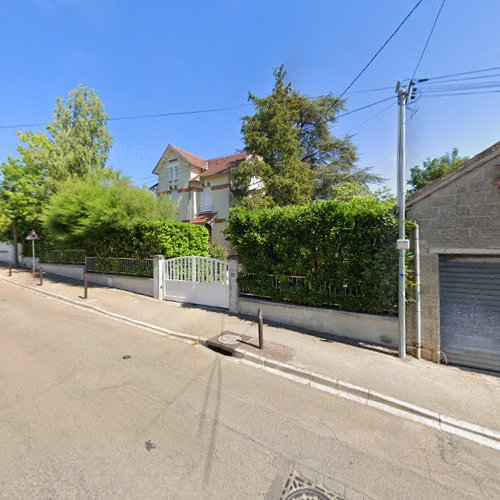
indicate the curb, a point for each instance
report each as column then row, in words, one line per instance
column 376, row 399
column 430, row 418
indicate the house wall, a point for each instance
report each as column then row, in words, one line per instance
column 190, row 193
column 221, row 205
column 460, row 218
column 184, row 174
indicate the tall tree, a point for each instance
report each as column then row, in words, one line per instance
column 23, row 191
column 79, row 135
column 434, row 168
column 77, row 143
column 296, row 156
column 275, row 174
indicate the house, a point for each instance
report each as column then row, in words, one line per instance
column 459, row 224
column 200, row 187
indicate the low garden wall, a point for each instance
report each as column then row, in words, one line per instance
column 371, row 328
column 7, row 253
column 136, row 284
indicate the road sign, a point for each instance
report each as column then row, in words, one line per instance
column 32, row 236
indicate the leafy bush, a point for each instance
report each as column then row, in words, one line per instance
column 346, row 252
column 217, row 251
column 87, row 213
column 171, row 239
column 107, row 216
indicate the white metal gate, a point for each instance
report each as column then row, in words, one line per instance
column 196, row 280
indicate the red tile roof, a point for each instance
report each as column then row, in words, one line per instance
column 204, row 218
column 191, row 158
column 223, row 164
column 208, row 167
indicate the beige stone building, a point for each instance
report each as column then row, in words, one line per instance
column 200, row 187
column 459, row 224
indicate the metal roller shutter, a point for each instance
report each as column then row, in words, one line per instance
column 470, row 312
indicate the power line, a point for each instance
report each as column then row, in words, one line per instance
column 135, row 117
column 371, row 118
column 444, row 94
column 493, row 68
column 22, row 125
column 441, row 81
column 365, row 107
column 428, row 38
column 382, row 47
column 176, row 113
column 461, row 86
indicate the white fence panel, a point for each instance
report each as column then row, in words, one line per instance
column 197, row 280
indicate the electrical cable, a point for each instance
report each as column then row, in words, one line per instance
column 371, row 118
column 484, row 70
column 135, row 117
column 365, row 107
column 428, row 38
column 381, row 48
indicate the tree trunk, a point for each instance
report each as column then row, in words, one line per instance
column 14, row 237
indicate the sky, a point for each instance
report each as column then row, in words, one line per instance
column 166, row 56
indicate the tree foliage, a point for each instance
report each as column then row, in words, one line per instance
column 77, row 143
column 23, row 189
column 89, row 213
column 296, row 157
column 272, row 136
column 79, row 137
column 434, row 168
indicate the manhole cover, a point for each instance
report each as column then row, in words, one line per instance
column 299, row 488
column 307, row 494
column 229, row 339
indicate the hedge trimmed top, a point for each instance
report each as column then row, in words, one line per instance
column 345, row 250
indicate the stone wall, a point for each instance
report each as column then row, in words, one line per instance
column 457, row 215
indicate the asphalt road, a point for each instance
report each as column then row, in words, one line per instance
column 179, row 421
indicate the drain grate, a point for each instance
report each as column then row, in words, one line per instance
column 299, row 488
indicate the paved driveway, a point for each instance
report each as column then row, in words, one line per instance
column 173, row 420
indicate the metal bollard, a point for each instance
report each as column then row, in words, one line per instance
column 261, row 329
column 10, row 269
column 40, row 272
column 85, row 286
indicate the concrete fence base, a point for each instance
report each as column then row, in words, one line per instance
column 136, row 284
column 369, row 328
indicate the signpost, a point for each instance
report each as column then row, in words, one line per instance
column 32, row 237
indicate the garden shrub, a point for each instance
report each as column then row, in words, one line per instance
column 144, row 239
column 345, row 250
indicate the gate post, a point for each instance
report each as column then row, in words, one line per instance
column 234, row 304
column 158, row 276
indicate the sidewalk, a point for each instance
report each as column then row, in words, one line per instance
column 453, row 391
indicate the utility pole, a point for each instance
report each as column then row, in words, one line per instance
column 403, row 244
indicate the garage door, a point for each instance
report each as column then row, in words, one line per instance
column 470, row 312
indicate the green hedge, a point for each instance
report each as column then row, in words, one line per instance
column 172, row 239
column 345, row 250
column 144, row 239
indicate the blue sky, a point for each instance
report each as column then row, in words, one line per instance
column 162, row 56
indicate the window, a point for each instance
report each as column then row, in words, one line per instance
column 206, row 199
column 172, row 169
